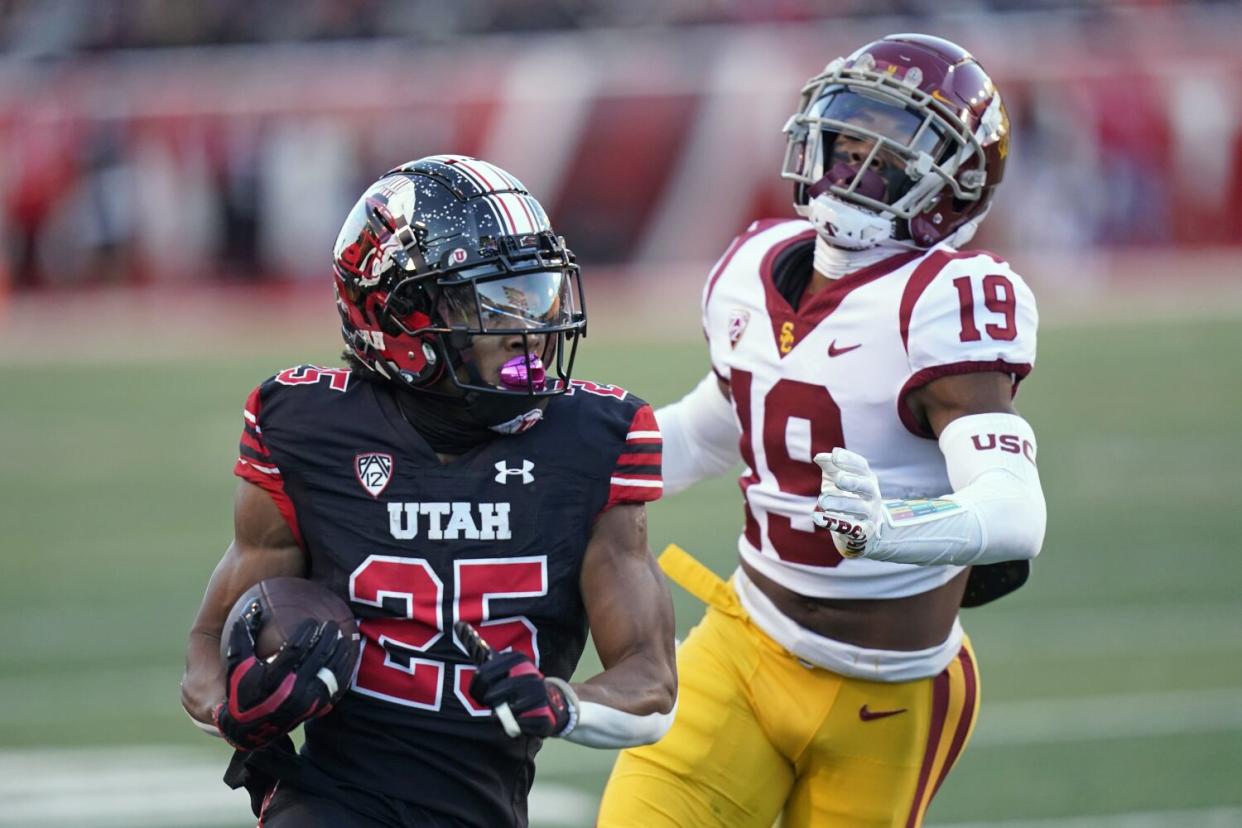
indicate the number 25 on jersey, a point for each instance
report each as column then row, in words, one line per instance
column 391, row 667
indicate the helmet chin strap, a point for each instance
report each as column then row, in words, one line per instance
column 962, row 236
column 848, row 238
column 846, row 226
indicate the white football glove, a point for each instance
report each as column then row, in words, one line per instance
column 849, row 503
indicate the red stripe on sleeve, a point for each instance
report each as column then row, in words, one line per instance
column 636, row 475
column 254, row 443
column 636, row 459
column 252, row 405
column 272, row 483
column 261, row 472
column 644, row 420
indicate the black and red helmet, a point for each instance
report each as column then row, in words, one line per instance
column 934, row 135
column 442, row 250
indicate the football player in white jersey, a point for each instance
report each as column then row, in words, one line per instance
column 865, row 366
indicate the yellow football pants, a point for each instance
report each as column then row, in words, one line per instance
column 760, row 735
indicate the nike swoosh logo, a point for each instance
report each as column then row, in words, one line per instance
column 834, row 351
column 867, row 715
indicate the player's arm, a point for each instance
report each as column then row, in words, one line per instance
column 631, row 617
column 263, row 547
column 996, row 511
column 700, row 435
column 944, row 400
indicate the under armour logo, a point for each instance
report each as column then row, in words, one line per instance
column 503, row 472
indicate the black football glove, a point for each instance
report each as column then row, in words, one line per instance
column 267, row 699
column 542, row 707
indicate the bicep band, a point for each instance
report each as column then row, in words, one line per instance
column 700, row 436
column 996, row 511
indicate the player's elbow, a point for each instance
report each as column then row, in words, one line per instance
column 663, row 704
column 663, row 696
column 661, row 723
column 200, row 715
column 658, row 695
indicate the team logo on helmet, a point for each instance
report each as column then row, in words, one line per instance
column 374, row 471
column 394, row 202
column 738, row 320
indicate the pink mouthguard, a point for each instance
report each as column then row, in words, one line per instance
column 523, row 373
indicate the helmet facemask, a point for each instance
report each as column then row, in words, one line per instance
column 505, row 333
column 498, row 326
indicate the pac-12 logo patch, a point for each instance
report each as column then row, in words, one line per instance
column 737, row 325
column 373, row 470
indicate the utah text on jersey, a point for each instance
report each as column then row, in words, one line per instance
column 449, row 521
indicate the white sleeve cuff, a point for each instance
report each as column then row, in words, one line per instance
column 601, row 726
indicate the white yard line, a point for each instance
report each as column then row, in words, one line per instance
column 178, row 787
column 1112, row 632
column 1096, row 718
column 136, row 787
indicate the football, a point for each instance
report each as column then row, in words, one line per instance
column 283, row 604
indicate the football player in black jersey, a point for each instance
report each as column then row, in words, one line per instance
column 451, row 472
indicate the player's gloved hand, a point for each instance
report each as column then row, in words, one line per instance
column 542, row 706
column 267, row 699
column 849, row 503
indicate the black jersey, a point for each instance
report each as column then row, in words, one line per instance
column 495, row 537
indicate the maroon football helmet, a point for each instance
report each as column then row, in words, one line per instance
column 905, row 139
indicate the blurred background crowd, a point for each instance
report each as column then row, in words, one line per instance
column 162, row 142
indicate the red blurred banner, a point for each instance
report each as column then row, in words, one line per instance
column 655, row 147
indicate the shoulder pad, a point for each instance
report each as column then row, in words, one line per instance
column 757, row 228
column 968, row 307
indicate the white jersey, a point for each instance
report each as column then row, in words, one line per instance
column 837, row 372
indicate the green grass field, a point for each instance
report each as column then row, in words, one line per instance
column 1112, row 682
